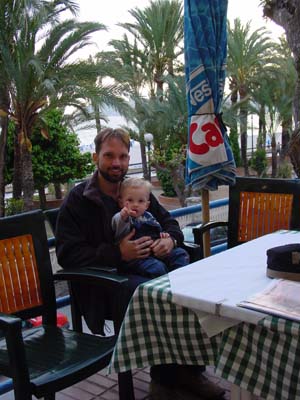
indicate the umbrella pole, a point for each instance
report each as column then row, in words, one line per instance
column 205, row 219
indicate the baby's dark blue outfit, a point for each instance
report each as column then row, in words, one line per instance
column 151, row 267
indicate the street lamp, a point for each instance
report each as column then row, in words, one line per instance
column 148, row 137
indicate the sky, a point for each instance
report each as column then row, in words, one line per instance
column 115, row 11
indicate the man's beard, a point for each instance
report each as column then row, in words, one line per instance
column 112, row 179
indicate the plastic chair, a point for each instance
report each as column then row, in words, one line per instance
column 44, row 360
column 257, row 206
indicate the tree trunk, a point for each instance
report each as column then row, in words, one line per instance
column 262, row 131
column 27, row 178
column 177, row 178
column 294, row 152
column 58, row 191
column 234, row 135
column 285, row 138
column 17, row 174
column 287, row 15
column 97, row 118
column 4, row 105
column 3, row 140
column 144, row 160
column 42, row 197
column 274, row 157
column 244, row 137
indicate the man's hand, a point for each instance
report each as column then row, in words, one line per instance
column 133, row 249
column 162, row 247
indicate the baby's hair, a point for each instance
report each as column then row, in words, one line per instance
column 135, row 183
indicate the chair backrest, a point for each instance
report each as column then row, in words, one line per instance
column 258, row 206
column 51, row 216
column 26, row 282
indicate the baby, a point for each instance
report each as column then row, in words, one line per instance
column 134, row 200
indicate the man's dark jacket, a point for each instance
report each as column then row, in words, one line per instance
column 84, row 238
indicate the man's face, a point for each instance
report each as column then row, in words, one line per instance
column 112, row 160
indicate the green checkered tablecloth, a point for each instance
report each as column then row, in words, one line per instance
column 156, row 331
column 263, row 359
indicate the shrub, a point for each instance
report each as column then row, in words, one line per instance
column 166, row 183
column 284, row 170
column 14, row 206
column 259, row 162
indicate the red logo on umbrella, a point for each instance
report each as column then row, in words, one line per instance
column 206, row 140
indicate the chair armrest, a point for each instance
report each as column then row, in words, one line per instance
column 110, row 282
column 200, row 230
column 194, row 250
column 11, row 326
column 92, row 275
column 8, row 322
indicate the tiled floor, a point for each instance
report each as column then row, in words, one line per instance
column 102, row 387
column 105, row 387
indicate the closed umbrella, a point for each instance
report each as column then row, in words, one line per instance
column 210, row 161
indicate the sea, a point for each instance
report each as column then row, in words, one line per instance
column 86, row 138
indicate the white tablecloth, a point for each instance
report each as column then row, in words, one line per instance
column 214, row 286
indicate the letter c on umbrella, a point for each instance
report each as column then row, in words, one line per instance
column 202, row 148
column 212, row 135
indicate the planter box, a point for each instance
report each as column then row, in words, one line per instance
column 169, row 202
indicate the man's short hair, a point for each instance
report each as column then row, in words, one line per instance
column 109, row 133
column 134, row 182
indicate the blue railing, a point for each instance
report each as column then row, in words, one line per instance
column 6, row 385
column 180, row 212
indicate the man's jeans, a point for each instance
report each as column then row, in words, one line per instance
column 152, row 267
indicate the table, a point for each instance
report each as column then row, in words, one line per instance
column 262, row 358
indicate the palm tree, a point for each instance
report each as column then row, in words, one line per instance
column 158, row 30
column 249, row 54
column 129, row 67
column 288, row 82
column 146, row 59
column 10, row 12
column 38, row 79
column 286, row 15
column 273, row 97
column 4, row 104
column 166, row 118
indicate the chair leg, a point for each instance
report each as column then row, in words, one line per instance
column 126, row 391
column 49, row 396
column 22, row 395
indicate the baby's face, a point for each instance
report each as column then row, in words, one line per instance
column 136, row 199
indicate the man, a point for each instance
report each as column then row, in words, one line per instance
column 84, row 235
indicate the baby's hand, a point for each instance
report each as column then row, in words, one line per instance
column 124, row 213
column 131, row 213
column 164, row 235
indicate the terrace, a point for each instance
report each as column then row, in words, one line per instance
column 105, row 387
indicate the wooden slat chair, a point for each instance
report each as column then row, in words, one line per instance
column 44, row 360
column 258, row 206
